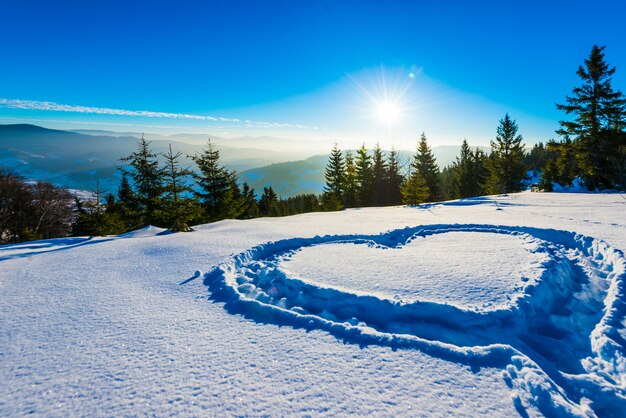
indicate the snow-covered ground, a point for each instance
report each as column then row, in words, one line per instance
column 423, row 269
column 510, row 305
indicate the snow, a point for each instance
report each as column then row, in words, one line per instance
column 502, row 306
column 577, row 186
column 423, row 269
column 147, row 231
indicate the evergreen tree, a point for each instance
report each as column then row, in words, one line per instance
column 214, row 181
column 393, row 179
column 96, row 219
column 363, row 171
column 379, row 177
column 79, row 227
column 127, row 206
column 351, row 186
column 335, row 171
column 617, row 160
column 537, row 158
column 95, row 213
column 480, row 173
column 561, row 166
column 178, row 208
column 250, row 205
column 112, row 216
column 415, row 190
column 110, row 204
column 147, row 178
column 125, row 191
column 598, row 124
column 463, row 172
column 425, row 165
column 506, row 162
column 268, row 205
column 447, row 187
column 301, row 203
column 469, row 172
column 233, row 203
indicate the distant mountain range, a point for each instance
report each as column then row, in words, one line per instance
column 307, row 176
column 295, row 149
column 289, row 178
column 75, row 159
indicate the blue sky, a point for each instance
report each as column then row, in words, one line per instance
column 303, row 69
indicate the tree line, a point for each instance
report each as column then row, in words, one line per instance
column 161, row 192
column 592, row 149
column 175, row 197
column 377, row 179
column 150, row 192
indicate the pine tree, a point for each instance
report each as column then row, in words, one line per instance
column 250, row 206
column 96, row 219
column 269, row 205
column 506, row 162
column 300, row 203
column 233, row 203
column 96, row 222
column 214, row 181
column 447, row 187
column 415, row 190
column 110, row 205
column 425, row 165
column 393, row 179
column 537, row 157
column 79, row 228
column 335, row 171
column 617, row 160
column 561, row 166
column 113, row 216
column 469, row 172
column 127, row 205
column 480, row 172
column 363, row 171
column 147, row 178
column 598, row 124
column 593, row 102
column 125, row 191
column 463, row 172
column 351, row 186
column 178, row 208
column 379, row 177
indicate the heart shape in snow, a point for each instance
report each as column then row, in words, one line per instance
column 464, row 269
column 559, row 340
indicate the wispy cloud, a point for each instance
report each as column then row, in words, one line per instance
column 57, row 107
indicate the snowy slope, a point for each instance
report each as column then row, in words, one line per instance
column 465, row 308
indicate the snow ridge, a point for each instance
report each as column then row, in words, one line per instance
column 559, row 342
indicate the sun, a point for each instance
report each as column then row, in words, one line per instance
column 384, row 98
column 387, row 112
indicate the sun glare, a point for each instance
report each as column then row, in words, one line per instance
column 384, row 99
column 387, row 112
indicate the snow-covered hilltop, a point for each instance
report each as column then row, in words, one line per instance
column 510, row 305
